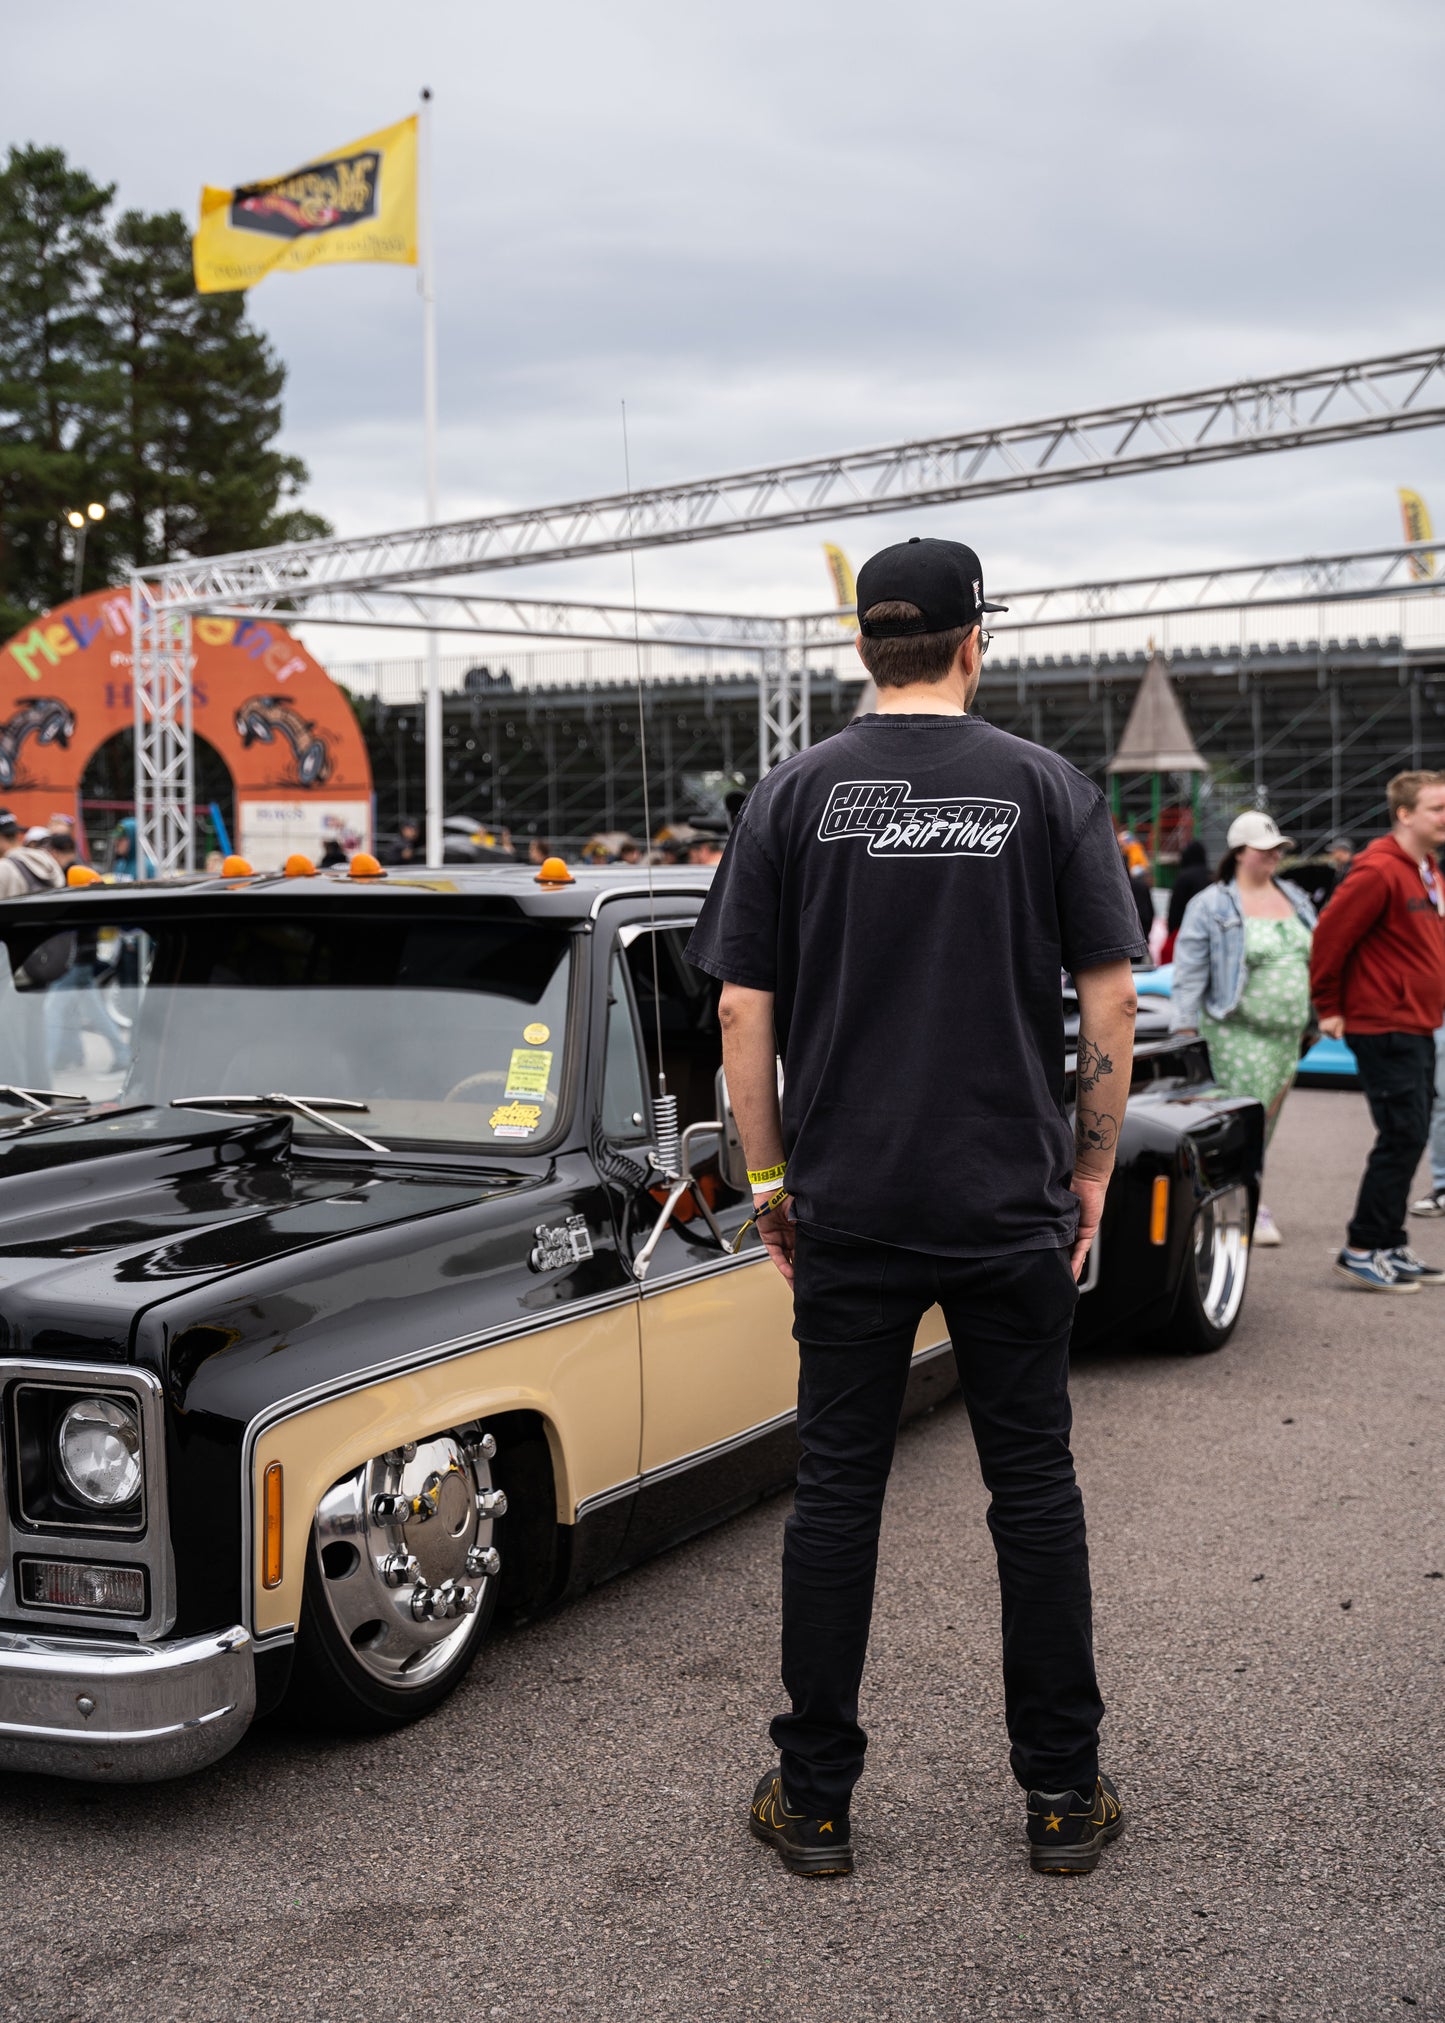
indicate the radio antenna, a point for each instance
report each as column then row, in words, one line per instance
column 664, row 1106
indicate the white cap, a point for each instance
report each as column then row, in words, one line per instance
column 1254, row 830
column 39, row 834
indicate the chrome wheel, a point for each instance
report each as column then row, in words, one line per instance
column 1221, row 1255
column 405, row 1555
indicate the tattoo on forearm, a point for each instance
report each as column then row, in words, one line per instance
column 1095, row 1130
column 1093, row 1063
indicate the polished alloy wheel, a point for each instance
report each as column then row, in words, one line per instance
column 405, row 1553
column 1221, row 1255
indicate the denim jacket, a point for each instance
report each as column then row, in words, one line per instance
column 1209, row 966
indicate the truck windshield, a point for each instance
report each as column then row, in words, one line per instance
column 450, row 1031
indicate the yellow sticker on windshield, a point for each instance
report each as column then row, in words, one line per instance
column 536, row 1036
column 515, row 1120
column 529, row 1072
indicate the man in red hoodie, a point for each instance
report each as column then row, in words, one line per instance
column 1377, row 976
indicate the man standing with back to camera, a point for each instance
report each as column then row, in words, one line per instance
column 891, row 916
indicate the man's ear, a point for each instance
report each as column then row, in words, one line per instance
column 858, row 646
column 969, row 659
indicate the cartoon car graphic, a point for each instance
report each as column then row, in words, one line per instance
column 269, row 719
column 42, row 717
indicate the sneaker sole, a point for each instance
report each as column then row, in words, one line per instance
column 1080, row 1859
column 804, row 1862
column 1364, row 1284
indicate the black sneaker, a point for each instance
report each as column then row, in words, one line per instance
column 806, row 1846
column 1068, row 1832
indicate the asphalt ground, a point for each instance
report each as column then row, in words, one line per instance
column 565, row 1838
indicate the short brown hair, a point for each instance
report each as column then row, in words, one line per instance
column 1406, row 788
column 915, row 656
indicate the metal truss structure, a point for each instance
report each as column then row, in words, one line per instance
column 164, row 745
column 357, row 580
column 1374, row 396
column 1307, row 579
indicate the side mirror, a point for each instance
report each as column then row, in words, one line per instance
column 731, row 1159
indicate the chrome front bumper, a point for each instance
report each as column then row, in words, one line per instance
column 122, row 1713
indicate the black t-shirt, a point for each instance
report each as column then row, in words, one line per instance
column 910, row 890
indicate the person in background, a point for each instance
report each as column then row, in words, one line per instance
column 1378, row 976
column 706, row 850
column 333, row 857
column 25, row 866
column 539, row 850
column 1192, row 877
column 1433, row 1203
column 1136, row 863
column 407, row 849
column 123, row 853
column 1318, row 877
column 1242, row 974
column 61, row 845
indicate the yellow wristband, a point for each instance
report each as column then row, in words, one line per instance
column 766, row 1177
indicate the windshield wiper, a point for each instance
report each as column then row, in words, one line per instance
column 315, row 1108
column 41, row 1105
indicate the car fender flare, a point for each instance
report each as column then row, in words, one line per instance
column 577, row 1373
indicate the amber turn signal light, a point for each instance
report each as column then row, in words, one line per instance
column 554, row 872
column 297, row 866
column 271, row 1528
column 364, row 865
column 235, row 867
column 82, row 874
column 1159, row 1209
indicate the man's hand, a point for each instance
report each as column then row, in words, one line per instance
column 1091, row 1211
column 1333, row 1029
column 779, row 1233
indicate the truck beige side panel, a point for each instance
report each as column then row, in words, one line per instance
column 718, row 1356
column 582, row 1376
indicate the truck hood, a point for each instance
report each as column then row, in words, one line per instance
column 100, row 1220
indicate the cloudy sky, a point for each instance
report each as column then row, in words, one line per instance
column 788, row 227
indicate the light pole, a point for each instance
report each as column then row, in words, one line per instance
column 81, row 523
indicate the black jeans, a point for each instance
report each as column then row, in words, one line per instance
column 1397, row 1071
column 857, row 1309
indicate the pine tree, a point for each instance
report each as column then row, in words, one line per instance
column 119, row 383
column 52, row 371
column 189, row 447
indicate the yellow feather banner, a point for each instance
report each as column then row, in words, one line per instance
column 1416, row 516
column 844, row 589
column 356, row 203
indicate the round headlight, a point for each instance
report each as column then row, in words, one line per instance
column 99, row 1447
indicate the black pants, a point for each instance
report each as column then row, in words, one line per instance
column 857, row 1309
column 1397, row 1071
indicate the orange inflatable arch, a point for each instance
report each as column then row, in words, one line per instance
column 283, row 729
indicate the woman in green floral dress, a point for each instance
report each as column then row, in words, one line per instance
column 1242, row 974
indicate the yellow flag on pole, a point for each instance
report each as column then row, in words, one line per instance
column 844, row 591
column 1416, row 516
column 356, row 203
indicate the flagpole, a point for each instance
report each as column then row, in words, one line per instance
column 433, row 711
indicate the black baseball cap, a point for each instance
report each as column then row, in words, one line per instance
column 943, row 578
column 7, row 821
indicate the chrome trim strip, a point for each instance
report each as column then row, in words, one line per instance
column 713, row 1268
column 357, row 1380
column 603, row 1497
column 150, row 1548
column 634, row 891
column 125, row 1713
column 718, row 1448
